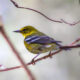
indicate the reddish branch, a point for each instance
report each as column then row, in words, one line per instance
column 44, row 57
column 74, row 23
column 76, row 41
column 58, row 21
column 17, row 54
column 16, row 5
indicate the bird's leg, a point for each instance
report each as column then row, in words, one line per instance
column 33, row 62
column 50, row 54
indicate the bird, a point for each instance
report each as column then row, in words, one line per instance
column 38, row 42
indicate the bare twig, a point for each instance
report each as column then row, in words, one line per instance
column 16, row 53
column 77, row 40
column 42, row 58
column 74, row 23
column 58, row 21
column 16, row 5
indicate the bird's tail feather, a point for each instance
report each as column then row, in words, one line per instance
column 61, row 46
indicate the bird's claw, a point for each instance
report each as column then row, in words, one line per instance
column 50, row 54
column 33, row 62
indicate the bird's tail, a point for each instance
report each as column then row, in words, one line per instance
column 61, row 46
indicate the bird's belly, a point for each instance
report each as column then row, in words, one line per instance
column 39, row 48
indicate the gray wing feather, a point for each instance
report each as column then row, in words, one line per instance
column 41, row 40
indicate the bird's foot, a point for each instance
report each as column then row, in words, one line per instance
column 50, row 54
column 33, row 62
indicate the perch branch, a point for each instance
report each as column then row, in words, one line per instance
column 42, row 58
column 47, row 56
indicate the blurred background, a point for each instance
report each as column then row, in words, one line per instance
column 63, row 66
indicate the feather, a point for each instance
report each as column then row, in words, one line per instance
column 40, row 40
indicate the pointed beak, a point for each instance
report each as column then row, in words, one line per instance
column 17, row 31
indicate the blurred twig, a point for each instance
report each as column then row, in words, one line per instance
column 15, row 52
column 58, row 21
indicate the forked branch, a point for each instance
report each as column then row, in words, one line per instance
column 58, row 21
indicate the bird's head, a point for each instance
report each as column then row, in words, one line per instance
column 27, row 30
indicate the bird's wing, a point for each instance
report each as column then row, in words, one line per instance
column 40, row 40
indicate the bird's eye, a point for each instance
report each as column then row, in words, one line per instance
column 24, row 30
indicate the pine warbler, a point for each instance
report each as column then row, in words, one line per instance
column 37, row 42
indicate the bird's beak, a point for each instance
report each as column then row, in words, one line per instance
column 18, row 31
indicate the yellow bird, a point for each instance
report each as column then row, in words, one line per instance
column 37, row 42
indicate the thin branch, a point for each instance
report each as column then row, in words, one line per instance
column 47, row 56
column 42, row 58
column 72, row 24
column 76, row 41
column 16, row 5
column 17, row 54
column 58, row 21
column 65, row 47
